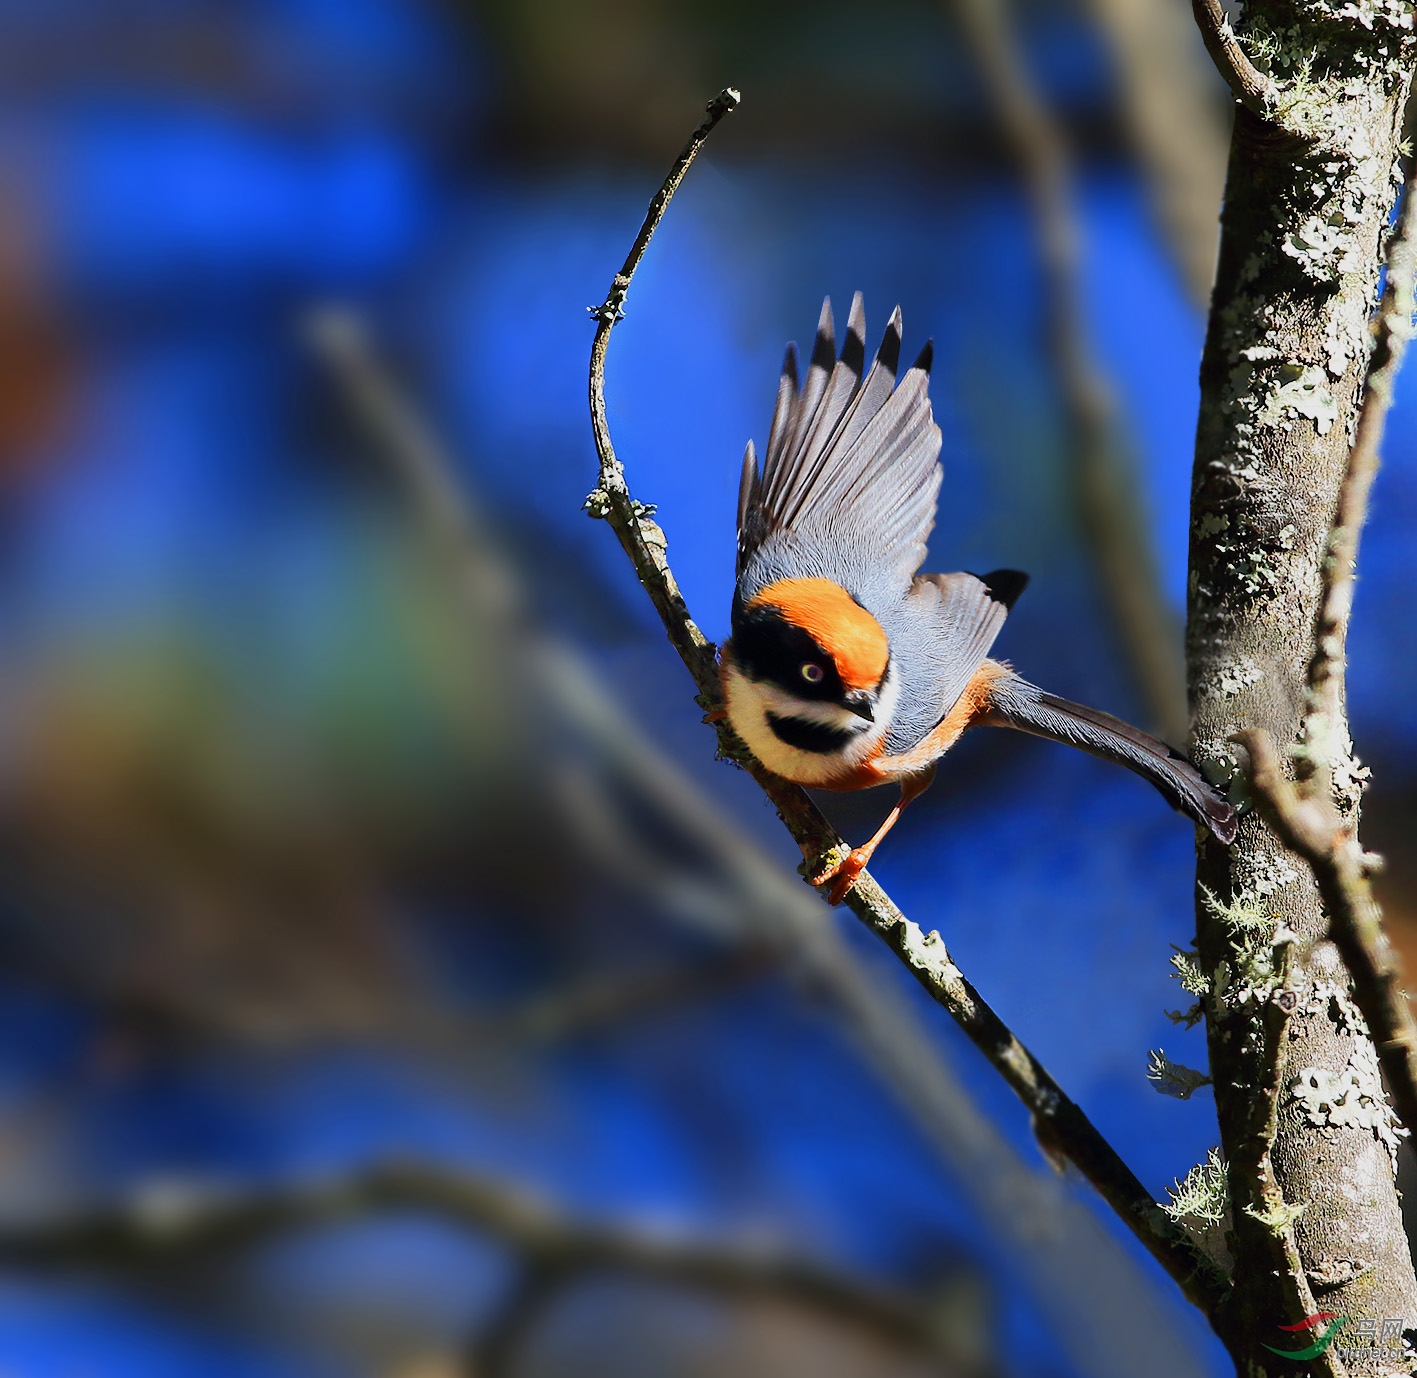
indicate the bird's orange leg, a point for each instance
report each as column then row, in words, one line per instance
column 843, row 874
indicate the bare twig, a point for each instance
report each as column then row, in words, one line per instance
column 184, row 1222
column 1106, row 484
column 1059, row 1120
column 629, row 521
column 1310, row 826
column 1255, row 91
column 1392, row 328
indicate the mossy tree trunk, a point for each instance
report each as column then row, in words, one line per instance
column 1304, row 1120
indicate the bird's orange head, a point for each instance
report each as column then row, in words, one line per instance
column 821, row 628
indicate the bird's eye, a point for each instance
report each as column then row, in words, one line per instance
column 812, row 672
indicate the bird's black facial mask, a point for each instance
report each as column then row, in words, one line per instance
column 768, row 647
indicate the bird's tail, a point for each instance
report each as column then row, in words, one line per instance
column 1016, row 703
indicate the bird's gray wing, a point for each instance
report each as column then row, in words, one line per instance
column 948, row 625
column 847, row 460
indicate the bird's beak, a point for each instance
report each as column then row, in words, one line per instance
column 861, row 705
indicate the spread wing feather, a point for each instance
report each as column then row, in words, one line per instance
column 847, row 459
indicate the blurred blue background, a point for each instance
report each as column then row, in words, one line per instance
column 306, row 872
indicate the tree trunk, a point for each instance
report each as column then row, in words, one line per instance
column 1304, row 1121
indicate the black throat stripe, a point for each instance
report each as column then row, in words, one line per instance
column 818, row 737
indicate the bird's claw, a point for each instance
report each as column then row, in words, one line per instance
column 842, row 875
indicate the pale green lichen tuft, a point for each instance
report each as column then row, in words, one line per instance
column 1243, row 915
column 1200, row 1204
column 1259, row 970
column 1203, row 1194
column 1259, row 941
column 1194, row 979
column 1276, row 1218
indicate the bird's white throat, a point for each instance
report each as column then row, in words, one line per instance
column 749, row 702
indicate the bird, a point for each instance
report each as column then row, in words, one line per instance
column 847, row 668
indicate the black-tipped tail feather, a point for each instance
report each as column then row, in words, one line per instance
column 1016, row 703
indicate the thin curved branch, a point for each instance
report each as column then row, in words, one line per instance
column 1255, row 91
column 1060, row 1123
column 641, row 538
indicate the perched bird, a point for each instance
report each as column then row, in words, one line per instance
column 846, row 668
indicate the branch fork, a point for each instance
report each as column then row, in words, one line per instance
column 1254, row 90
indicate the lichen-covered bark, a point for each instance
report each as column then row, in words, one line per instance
column 1303, row 1118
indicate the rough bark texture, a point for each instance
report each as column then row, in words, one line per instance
column 1303, row 1117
